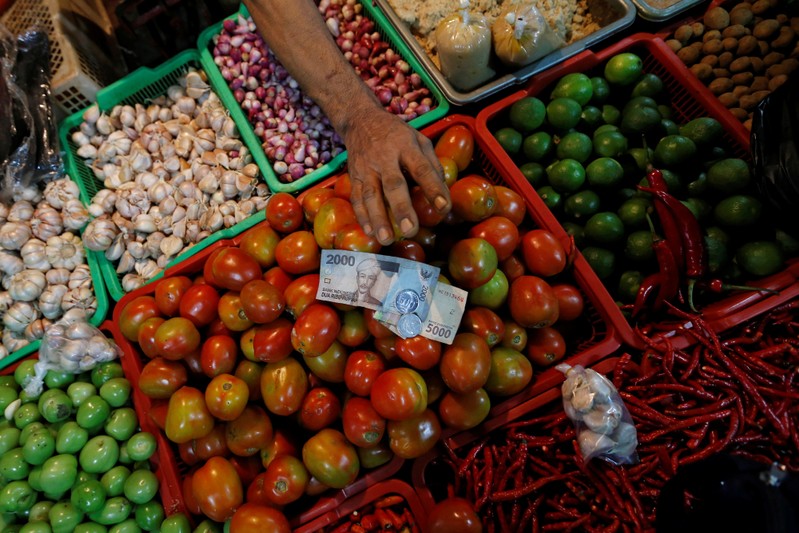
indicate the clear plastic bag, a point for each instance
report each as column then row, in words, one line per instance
column 523, row 36
column 603, row 424
column 463, row 42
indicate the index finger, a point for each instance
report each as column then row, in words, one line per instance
column 426, row 170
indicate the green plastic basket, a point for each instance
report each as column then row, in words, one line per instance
column 382, row 26
column 139, row 86
column 92, row 259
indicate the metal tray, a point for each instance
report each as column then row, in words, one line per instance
column 614, row 16
column 651, row 13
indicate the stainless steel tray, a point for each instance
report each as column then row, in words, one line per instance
column 612, row 15
column 652, row 13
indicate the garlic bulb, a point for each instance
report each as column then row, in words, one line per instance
column 50, row 301
column 116, row 249
column 21, row 211
column 26, row 286
column 10, row 263
column 36, row 329
column 59, row 191
column 46, row 222
column 34, row 255
column 19, row 316
column 13, row 235
column 81, row 298
column 58, row 276
column 103, row 203
column 6, row 301
column 132, row 281
column 99, row 234
column 3, row 212
column 131, row 201
column 14, row 340
column 75, row 215
column 592, row 444
column 65, row 251
column 80, row 277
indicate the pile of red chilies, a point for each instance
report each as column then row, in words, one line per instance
column 390, row 513
column 738, row 394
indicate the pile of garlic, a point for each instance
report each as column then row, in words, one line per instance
column 175, row 171
column 42, row 262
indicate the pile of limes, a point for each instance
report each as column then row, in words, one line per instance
column 589, row 141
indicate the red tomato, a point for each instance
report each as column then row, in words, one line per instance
column 260, row 242
column 352, row 237
column 426, row 238
column 456, row 143
column 187, row 417
column 385, row 346
column 161, row 378
column 361, row 370
column 301, row 293
column 192, row 361
column 278, row 278
column 543, row 253
column 399, row 394
column 515, row 336
column 330, row 365
column 343, row 186
column 375, row 456
column 532, row 302
column 272, row 342
column 414, row 437
column 283, row 386
column 246, row 467
column 320, row 408
column 253, row 517
column 199, row 304
column 134, row 314
column 545, row 346
column 378, row 330
column 192, row 505
column 473, row 198
column 450, row 168
column 500, row 233
column 408, row 249
column 419, row 352
column 333, row 215
column 510, row 372
column 570, row 301
column 250, row 372
column 281, row 444
column 466, row 363
column 226, row 396
column 216, row 327
column 285, row 480
column 353, row 330
column 218, row 355
column 146, row 338
column 435, row 385
column 484, row 323
column 472, row 262
column 231, row 312
column 315, row 487
column 513, row 268
column 176, row 338
column 362, row 425
column 157, row 413
column 231, row 268
column 315, row 329
column 262, row 302
column 256, row 491
column 217, row 489
column 313, row 200
column 168, row 293
column 284, row 212
column 510, row 204
column 454, row 514
column 298, row 253
column 426, row 212
column 331, row 459
column 211, row 445
column 250, row 432
column 464, row 411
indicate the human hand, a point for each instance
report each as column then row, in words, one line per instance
column 381, row 150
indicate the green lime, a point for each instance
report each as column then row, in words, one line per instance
column 604, row 128
column 760, row 258
column 604, row 228
column 716, row 247
column 703, row 131
column 527, row 114
column 674, row 150
column 537, row 146
column 738, row 211
column 576, row 231
column 699, row 207
column 576, row 86
column 610, row 144
column 624, row 69
column 534, row 172
column 610, row 114
column 649, row 85
column 638, row 102
column 625, row 193
column 633, row 212
column 729, row 175
column 582, row 204
column 639, row 120
column 574, row 145
column 665, row 111
column 601, row 90
column 788, row 243
column 601, row 260
column 592, row 116
column 669, row 127
column 566, row 175
column 641, row 156
column 699, row 185
column 604, row 172
column 563, row 113
column 639, row 246
column 629, row 283
column 551, row 197
column 509, row 139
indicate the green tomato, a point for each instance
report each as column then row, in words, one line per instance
column 207, row 526
column 80, row 391
column 29, row 430
column 13, row 466
column 106, row 371
column 9, row 382
column 141, row 446
column 25, row 372
column 58, row 380
column 64, row 517
column 35, row 479
column 71, row 438
column 116, row 391
column 150, row 515
column 141, row 486
column 17, row 496
column 59, row 473
column 85, row 476
column 177, row 523
column 122, row 423
column 39, row 447
column 99, row 455
column 40, row 511
column 93, row 413
column 88, row 496
column 114, row 480
column 90, row 527
column 26, row 414
column 128, row 526
column 124, row 457
column 12, row 528
column 55, row 405
column 9, row 439
column 36, row 527
column 114, row 511
column 7, row 395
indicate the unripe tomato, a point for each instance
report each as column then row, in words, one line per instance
column 331, row 459
column 217, row 488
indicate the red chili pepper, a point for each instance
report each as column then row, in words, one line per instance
column 718, row 285
column 648, row 286
column 668, row 224
column 669, row 273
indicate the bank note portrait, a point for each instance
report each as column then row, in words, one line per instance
column 373, row 279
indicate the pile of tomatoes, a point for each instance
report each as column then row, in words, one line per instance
column 270, row 395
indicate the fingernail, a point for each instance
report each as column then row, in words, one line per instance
column 406, row 225
column 383, row 235
column 367, row 229
column 440, row 202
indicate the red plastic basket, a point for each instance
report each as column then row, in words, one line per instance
column 367, row 497
column 690, row 99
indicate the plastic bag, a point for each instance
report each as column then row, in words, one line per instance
column 775, row 128
column 463, row 42
column 523, row 36
column 604, row 426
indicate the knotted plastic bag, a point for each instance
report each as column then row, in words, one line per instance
column 604, row 426
column 523, row 36
column 463, row 41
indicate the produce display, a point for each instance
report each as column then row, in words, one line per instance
column 741, row 50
